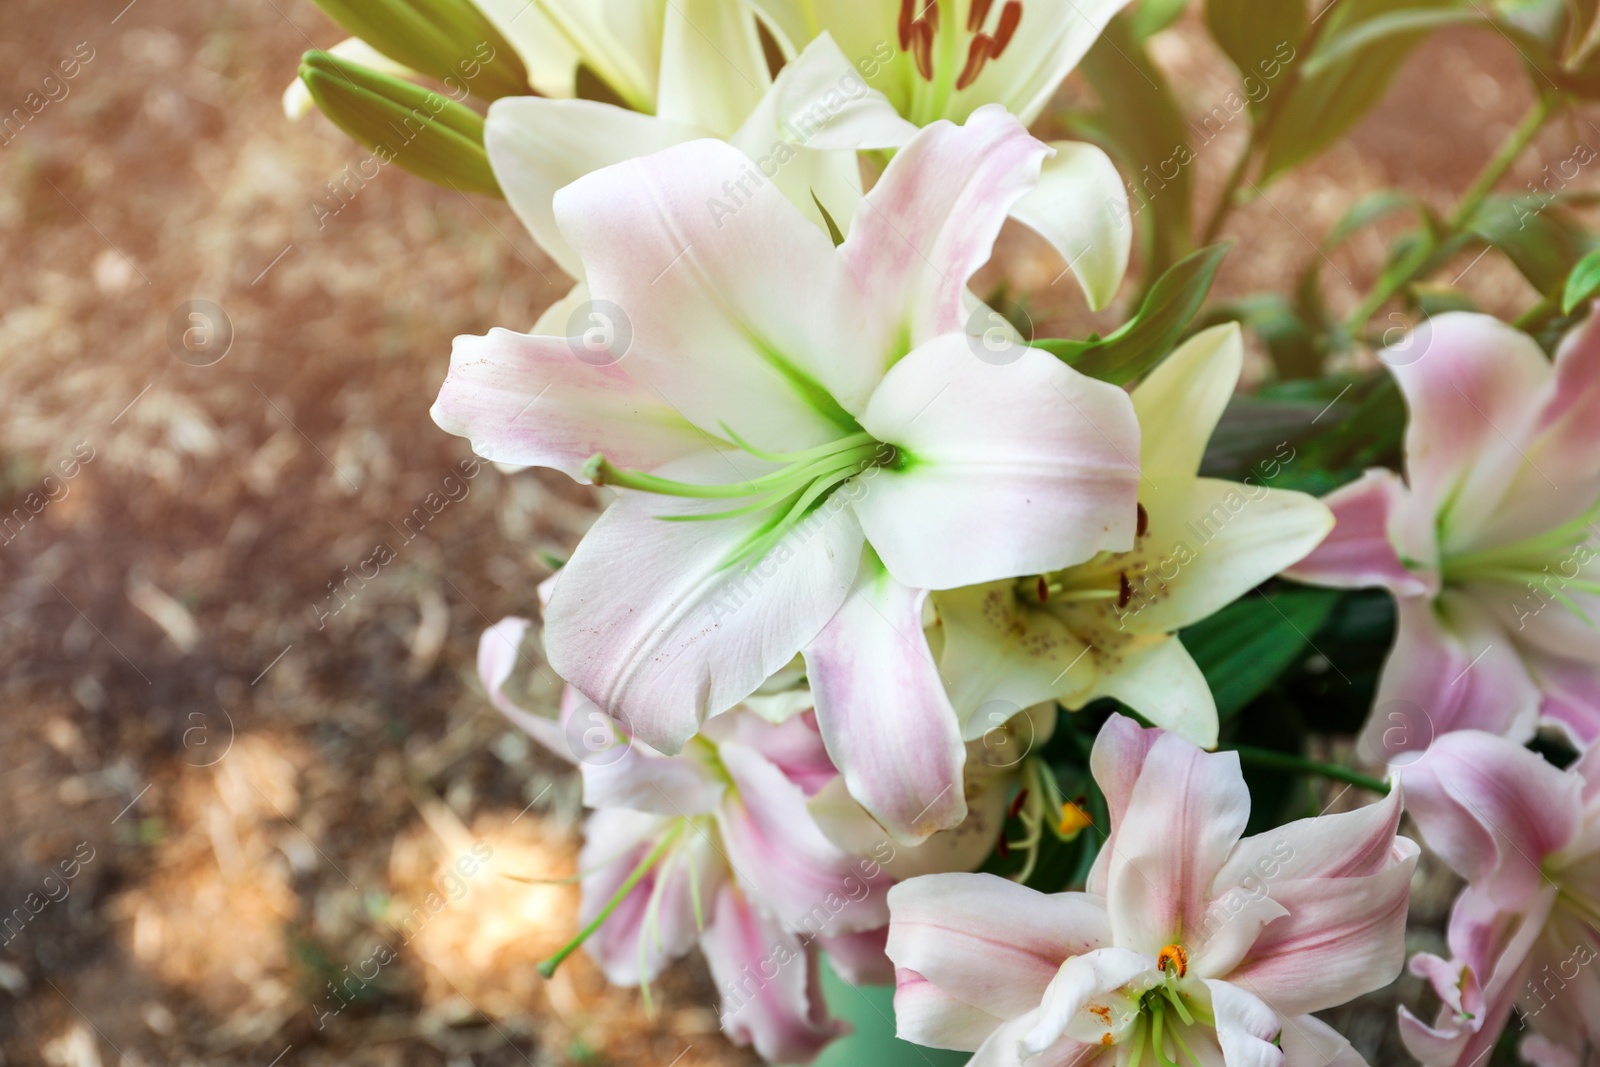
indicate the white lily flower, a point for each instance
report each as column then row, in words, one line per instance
column 824, row 445
column 1106, row 627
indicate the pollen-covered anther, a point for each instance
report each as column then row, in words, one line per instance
column 1124, row 591
column 1142, row 522
column 1044, row 589
column 1173, row 958
column 1073, row 819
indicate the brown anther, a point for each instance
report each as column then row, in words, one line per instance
column 978, row 14
column 1124, row 591
column 907, row 16
column 1002, row 848
column 1016, row 805
column 930, row 15
column 1010, row 15
column 1173, row 956
column 1043, row 589
column 1142, row 524
column 922, row 48
column 977, row 56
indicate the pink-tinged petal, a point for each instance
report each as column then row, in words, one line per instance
column 1492, row 810
column 883, row 711
column 1091, row 981
column 1307, row 1041
column 1571, row 690
column 629, row 775
column 1004, row 1049
column 1341, row 938
column 656, row 922
column 926, row 1015
column 1550, row 612
column 1186, row 813
column 1116, row 762
column 1229, row 929
column 1246, row 1027
column 1364, row 548
column 651, row 622
column 783, row 861
column 1541, row 1052
column 1473, row 386
column 533, row 402
column 960, row 848
column 769, row 982
column 537, row 145
column 1453, row 667
column 499, row 651
column 742, row 312
column 794, row 745
column 859, row 958
column 987, row 941
column 1350, row 844
column 1029, row 459
column 1461, row 1011
column 931, row 221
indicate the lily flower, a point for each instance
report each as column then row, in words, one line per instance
column 1106, row 627
column 1526, row 836
column 1488, row 543
column 805, row 442
column 1191, row 945
column 951, row 57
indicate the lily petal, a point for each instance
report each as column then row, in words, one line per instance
column 1186, row 813
column 931, row 222
column 1309, row 1042
column 1081, row 207
column 926, row 1015
column 882, row 708
column 859, row 958
column 533, row 402
column 651, row 623
column 537, row 145
column 1031, row 460
column 782, row 859
column 1453, row 667
column 988, row 942
column 1160, row 680
column 1180, row 403
column 1362, row 551
column 1348, row 844
column 1246, row 1027
column 742, row 312
column 1492, row 810
column 783, row 1017
column 1081, row 980
column 498, row 652
column 713, row 72
column 1116, row 761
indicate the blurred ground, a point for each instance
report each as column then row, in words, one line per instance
column 225, row 793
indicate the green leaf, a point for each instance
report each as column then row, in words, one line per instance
column 1366, row 211
column 428, row 135
column 1154, row 16
column 1151, row 335
column 833, row 227
column 448, row 40
column 1140, row 125
column 1534, row 236
column 1583, row 283
column 1243, row 648
column 1260, row 36
column 870, row 1012
column 1376, row 30
column 1321, row 109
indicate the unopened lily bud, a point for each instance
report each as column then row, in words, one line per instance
column 449, row 40
column 432, row 137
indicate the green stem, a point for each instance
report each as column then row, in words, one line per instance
column 1283, row 761
column 1470, row 202
column 548, row 967
column 1230, row 190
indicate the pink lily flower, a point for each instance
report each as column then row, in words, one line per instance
column 1487, row 544
column 718, row 847
column 1191, row 944
column 824, row 442
column 1522, row 935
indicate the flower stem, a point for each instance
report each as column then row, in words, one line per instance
column 548, row 967
column 1470, row 202
column 1283, row 761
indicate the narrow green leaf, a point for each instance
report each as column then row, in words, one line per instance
column 1151, row 335
column 1583, row 283
column 1366, row 211
column 1261, row 38
column 1533, row 236
column 1376, row 30
column 1243, row 648
column 833, row 227
column 1321, row 109
column 428, row 135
